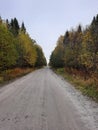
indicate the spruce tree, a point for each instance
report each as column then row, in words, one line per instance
column 14, row 26
column 66, row 38
column 23, row 29
column 79, row 30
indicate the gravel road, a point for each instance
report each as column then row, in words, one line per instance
column 42, row 100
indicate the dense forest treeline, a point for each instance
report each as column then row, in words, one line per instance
column 17, row 49
column 19, row 54
column 77, row 52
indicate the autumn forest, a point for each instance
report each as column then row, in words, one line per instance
column 77, row 53
column 18, row 51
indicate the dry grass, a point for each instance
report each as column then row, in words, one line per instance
column 88, row 87
column 13, row 73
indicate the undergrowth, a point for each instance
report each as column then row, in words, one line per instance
column 88, row 87
column 10, row 74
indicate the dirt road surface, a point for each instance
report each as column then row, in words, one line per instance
column 43, row 101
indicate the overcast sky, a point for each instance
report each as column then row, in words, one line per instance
column 46, row 20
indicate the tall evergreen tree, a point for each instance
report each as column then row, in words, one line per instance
column 93, row 21
column 14, row 26
column 66, row 38
column 79, row 29
column 0, row 19
column 23, row 28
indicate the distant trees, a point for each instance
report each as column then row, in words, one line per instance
column 17, row 49
column 26, row 51
column 57, row 56
column 40, row 59
column 78, row 49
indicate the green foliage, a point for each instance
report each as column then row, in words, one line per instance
column 14, row 26
column 23, row 28
column 79, row 49
column 40, row 60
column 8, row 53
column 17, row 49
column 11, row 74
column 26, row 50
column 57, row 56
column 87, row 87
column 86, row 54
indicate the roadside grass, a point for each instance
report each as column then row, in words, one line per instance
column 11, row 74
column 88, row 87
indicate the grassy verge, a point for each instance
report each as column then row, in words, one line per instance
column 88, row 87
column 9, row 75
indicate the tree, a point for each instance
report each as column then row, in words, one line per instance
column 78, row 50
column 86, row 54
column 79, row 29
column 57, row 56
column 8, row 53
column 40, row 60
column 94, row 33
column 26, row 51
column 17, row 49
column 14, row 26
column 23, row 29
column 0, row 20
column 66, row 38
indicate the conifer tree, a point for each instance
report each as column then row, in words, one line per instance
column 23, row 29
column 14, row 26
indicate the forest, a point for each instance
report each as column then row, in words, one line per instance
column 77, row 53
column 18, row 52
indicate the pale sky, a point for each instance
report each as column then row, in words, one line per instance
column 46, row 20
